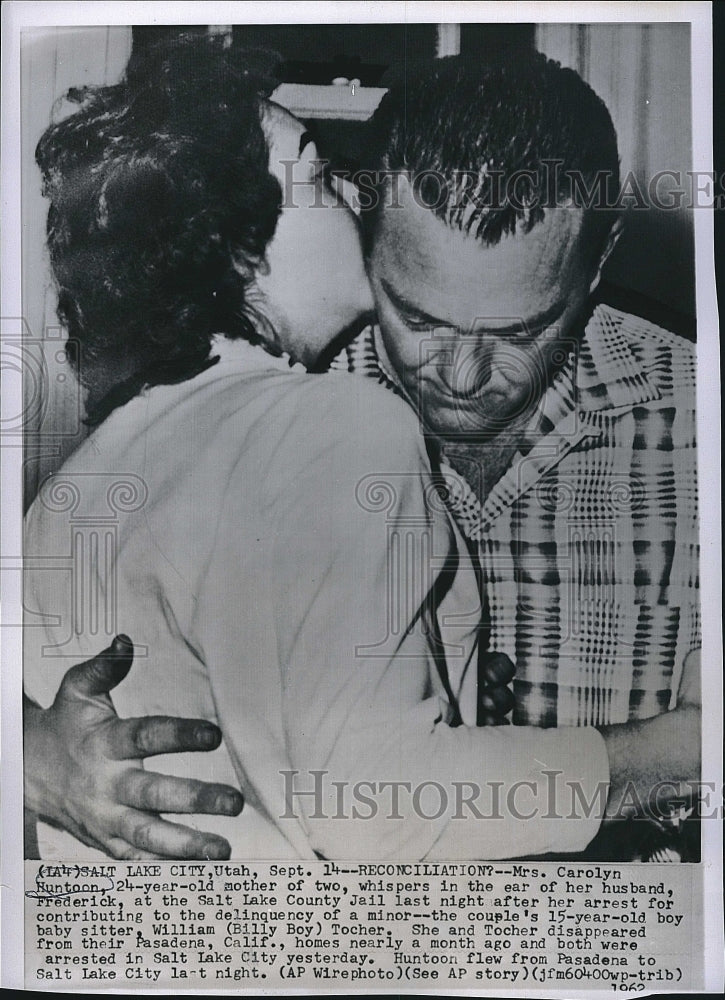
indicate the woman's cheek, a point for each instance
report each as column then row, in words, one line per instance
column 336, row 264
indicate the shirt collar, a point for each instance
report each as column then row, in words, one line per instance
column 385, row 364
column 600, row 375
column 608, row 374
column 240, row 353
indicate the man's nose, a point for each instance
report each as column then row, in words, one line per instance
column 472, row 367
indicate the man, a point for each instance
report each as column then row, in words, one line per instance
column 566, row 435
column 571, row 427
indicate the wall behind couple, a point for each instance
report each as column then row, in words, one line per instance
column 641, row 71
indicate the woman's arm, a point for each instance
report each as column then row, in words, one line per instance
column 369, row 716
column 344, row 553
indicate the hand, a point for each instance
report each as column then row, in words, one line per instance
column 84, row 768
column 653, row 761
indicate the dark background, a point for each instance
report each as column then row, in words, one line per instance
column 317, row 53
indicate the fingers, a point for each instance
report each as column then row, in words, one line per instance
column 491, row 719
column 497, row 701
column 131, row 739
column 124, row 851
column 497, row 668
column 151, row 792
column 100, row 674
column 673, row 798
column 170, row 840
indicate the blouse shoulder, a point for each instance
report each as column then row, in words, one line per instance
column 360, row 412
column 333, row 429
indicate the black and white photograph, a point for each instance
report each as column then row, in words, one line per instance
column 361, row 470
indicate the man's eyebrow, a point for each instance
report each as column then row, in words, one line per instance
column 510, row 325
column 403, row 305
column 502, row 325
column 305, row 139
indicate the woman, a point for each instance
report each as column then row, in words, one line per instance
column 279, row 554
column 55, row 790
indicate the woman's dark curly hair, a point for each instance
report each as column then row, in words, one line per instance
column 161, row 208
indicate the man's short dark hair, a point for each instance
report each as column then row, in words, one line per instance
column 490, row 146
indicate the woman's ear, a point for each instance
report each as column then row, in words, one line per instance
column 612, row 239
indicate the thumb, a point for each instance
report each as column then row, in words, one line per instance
column 99, row 675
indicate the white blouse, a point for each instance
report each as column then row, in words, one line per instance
column 270, row 540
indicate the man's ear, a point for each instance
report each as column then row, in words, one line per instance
column 612, row 239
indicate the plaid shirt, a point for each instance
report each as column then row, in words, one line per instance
column 588, row 544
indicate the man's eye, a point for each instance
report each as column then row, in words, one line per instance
column 417, row 324
column 411, row 320
column 529, row 333
column 521, row 337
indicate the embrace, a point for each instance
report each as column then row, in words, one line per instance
column 409, row 511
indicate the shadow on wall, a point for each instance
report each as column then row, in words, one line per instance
column 642, row 73
column 655, row 259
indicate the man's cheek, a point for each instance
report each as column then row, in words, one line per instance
column 401, row 350
column 522, row 370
